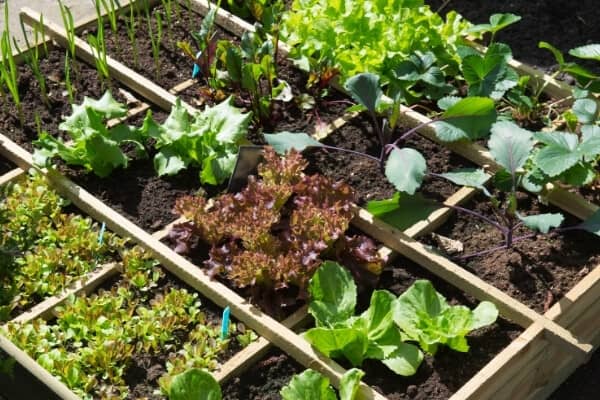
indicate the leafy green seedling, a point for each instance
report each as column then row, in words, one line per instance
column 94, row 146
column 404, row 167
column 9, row 72
column 425, row 317
column 497, row 23
column 341, row 334
column 312, row 385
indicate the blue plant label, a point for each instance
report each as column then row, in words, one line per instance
column 225, row 323
column 101, row 233
column 196, row 70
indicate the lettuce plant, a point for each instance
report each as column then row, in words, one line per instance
column 424, row 316
column 382, row 331
column 362, row 35
column 208, row 139
column 371, row 335
column 195, row 384
column 312, row 385
column 272, row 236
column 94, row 146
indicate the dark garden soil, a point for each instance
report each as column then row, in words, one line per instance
column 176, row 67
column 264, row 380
column 5, row 166
column 536, row 271
column 85, row 83
column 365, row 176
column 563, row 23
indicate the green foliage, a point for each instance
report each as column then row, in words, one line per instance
column 208, row 139
column 93, row 145
column 405, row 169
column 91, row 343
column 424, row 316
column 273, row 234
column 373, row 334
column 312, row 385
column 464, row 119
column 497, row 23
column 9, row 74
column 489, row 75
column 361, row 35
column 194, row 384
column 42, row 250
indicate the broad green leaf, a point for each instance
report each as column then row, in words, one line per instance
column 405, row 360
column 106, row 105
column 425, row 316
column 227, row 122
column 472, row 177
column 308, row 385
column 403, row 210
column 284, row 141
column 484, row 314
column 542, row 222
column 333, row 294
column 510, row 145
column 175, row 126
column 588, row 52
column 378, row 317
column 349, row 343
column 586, row 110
column 194, row 384
column 168, row 161
column 580, row 174
column 365, row 90
column 592, row 224
column 349, row 384
column 562, row 152
column 497, row 22
column 405, row 169
column 446, row 102
column 467, row 119
column 590, row 141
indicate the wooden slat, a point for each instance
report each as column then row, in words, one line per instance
column 239, row 363
column 36, row 370
column 136, row 82
column 515, row 359
column 466, row 281
column 220, row 294
column 11, row 176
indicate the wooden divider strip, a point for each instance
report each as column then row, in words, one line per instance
column 465, row 280
column 11, row 176
column 141, row 85
column 220, row 294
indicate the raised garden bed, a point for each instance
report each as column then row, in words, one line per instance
column 541, row 344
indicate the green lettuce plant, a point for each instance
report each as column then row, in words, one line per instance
column 195, row 384
column 94, row 146
column 208, row 139
column 370, row 335
column 312, row 385
column 362, row 35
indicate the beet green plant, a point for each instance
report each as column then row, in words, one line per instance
column 272, row 236
column 404, row 167
column 312, row 385
column 93, row 145
column 383, row 330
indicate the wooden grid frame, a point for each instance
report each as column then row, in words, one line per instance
column 551, row 346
